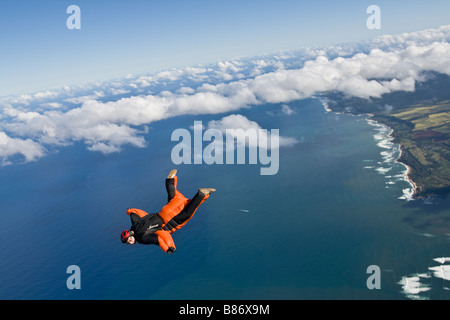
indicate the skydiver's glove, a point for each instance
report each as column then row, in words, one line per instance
column 171, row 250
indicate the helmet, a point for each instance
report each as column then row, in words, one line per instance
column 124, row 236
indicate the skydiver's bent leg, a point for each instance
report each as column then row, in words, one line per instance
column 171, row 187
column 180, row 210
column 188, row 212
column 171, row 184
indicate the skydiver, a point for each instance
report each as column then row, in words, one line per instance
column 156, row 228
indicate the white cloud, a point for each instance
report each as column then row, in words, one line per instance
column 23, row 116
column 186, row 90
column 386, row 64
column 54, row 105
column 86, row 98
column 287, row 110
column 234, row 121
column 355, row 76
column 228, row 70
column 237, row 121
column 115, row 91
column 103, row 148
column 46, row 94
column 9, row 147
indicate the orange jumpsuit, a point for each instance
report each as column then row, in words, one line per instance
column 156, row 228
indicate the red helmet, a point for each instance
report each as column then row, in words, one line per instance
column 125, row 235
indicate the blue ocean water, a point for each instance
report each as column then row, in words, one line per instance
column 311, row 231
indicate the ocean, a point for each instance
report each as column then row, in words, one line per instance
column 339, row 204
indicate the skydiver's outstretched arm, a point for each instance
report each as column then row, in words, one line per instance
column 165, row 241
column 136, row 214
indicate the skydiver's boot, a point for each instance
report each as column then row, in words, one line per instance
column 206, row 191
column 172, row 174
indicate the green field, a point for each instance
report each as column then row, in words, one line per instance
column 426, row 118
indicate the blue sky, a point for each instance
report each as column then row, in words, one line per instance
column 137, row 36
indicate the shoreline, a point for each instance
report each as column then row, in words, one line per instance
column 413, row 194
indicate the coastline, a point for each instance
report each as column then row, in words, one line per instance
column 413, row 194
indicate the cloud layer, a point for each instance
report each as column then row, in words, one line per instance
column 106, row 116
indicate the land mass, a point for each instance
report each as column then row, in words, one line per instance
column 421, row 125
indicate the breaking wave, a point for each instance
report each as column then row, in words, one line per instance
column 390, row 154
column 416, row 285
